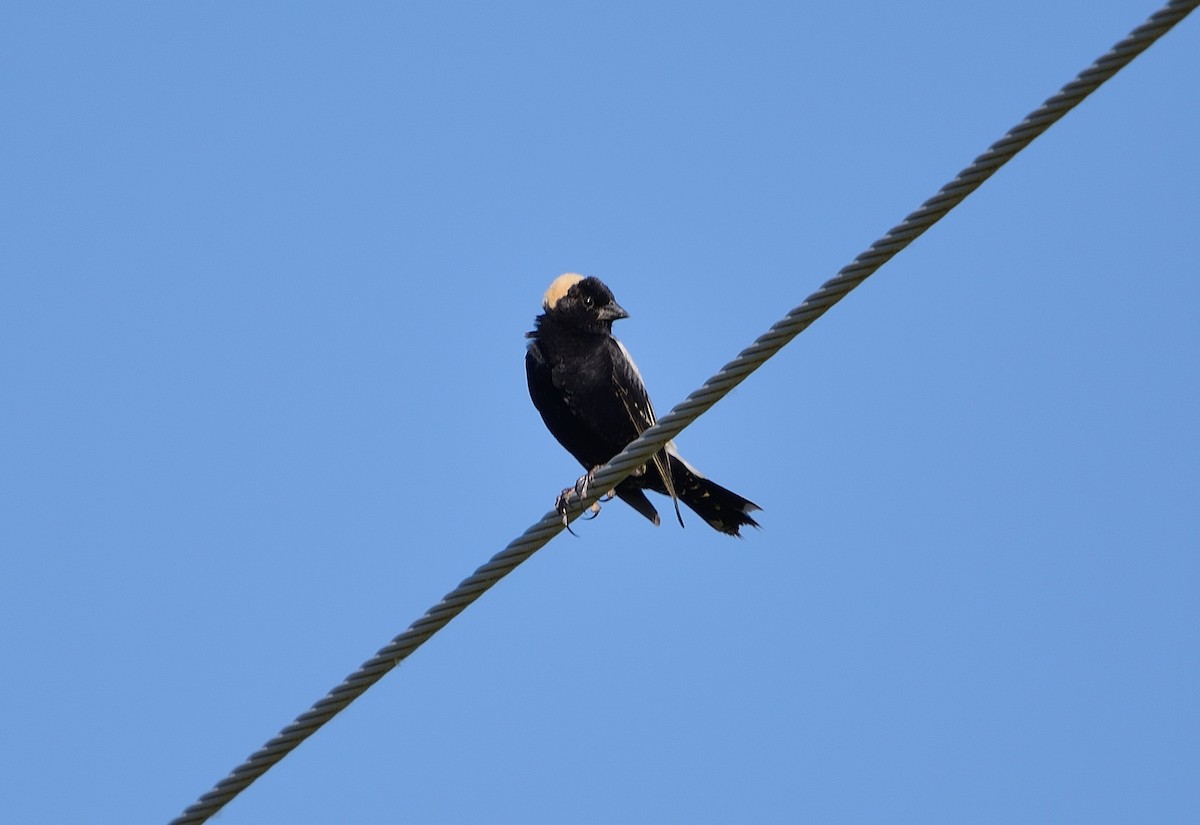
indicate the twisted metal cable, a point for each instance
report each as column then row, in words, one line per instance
column 670, row 425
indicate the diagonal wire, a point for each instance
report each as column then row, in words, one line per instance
column 670, row 425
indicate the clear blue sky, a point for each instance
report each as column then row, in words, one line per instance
column 267, row 270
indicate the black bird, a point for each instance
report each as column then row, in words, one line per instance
column 591, row 396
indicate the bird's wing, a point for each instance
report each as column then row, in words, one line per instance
column 627, row 380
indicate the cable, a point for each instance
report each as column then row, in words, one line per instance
column 696, row 404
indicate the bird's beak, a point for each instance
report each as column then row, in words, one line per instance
column 613, row 312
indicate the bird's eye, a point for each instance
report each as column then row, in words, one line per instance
column 588, row 300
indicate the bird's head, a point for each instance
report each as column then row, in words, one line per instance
column 583, row 303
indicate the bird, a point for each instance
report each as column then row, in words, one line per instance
column 592, row 399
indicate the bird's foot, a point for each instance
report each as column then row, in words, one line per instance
column 560, row 507
column 562, row 503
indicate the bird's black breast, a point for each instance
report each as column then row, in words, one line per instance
column 579, row 384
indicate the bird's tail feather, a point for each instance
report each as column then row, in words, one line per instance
column 635, row 497
column 723, row 509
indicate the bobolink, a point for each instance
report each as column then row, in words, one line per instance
column 591, row 396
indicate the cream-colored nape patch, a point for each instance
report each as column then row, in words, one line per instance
column 561, row 286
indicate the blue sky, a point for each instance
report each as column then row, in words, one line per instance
column 268, row 267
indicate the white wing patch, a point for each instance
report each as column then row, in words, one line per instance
column 673, row 451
